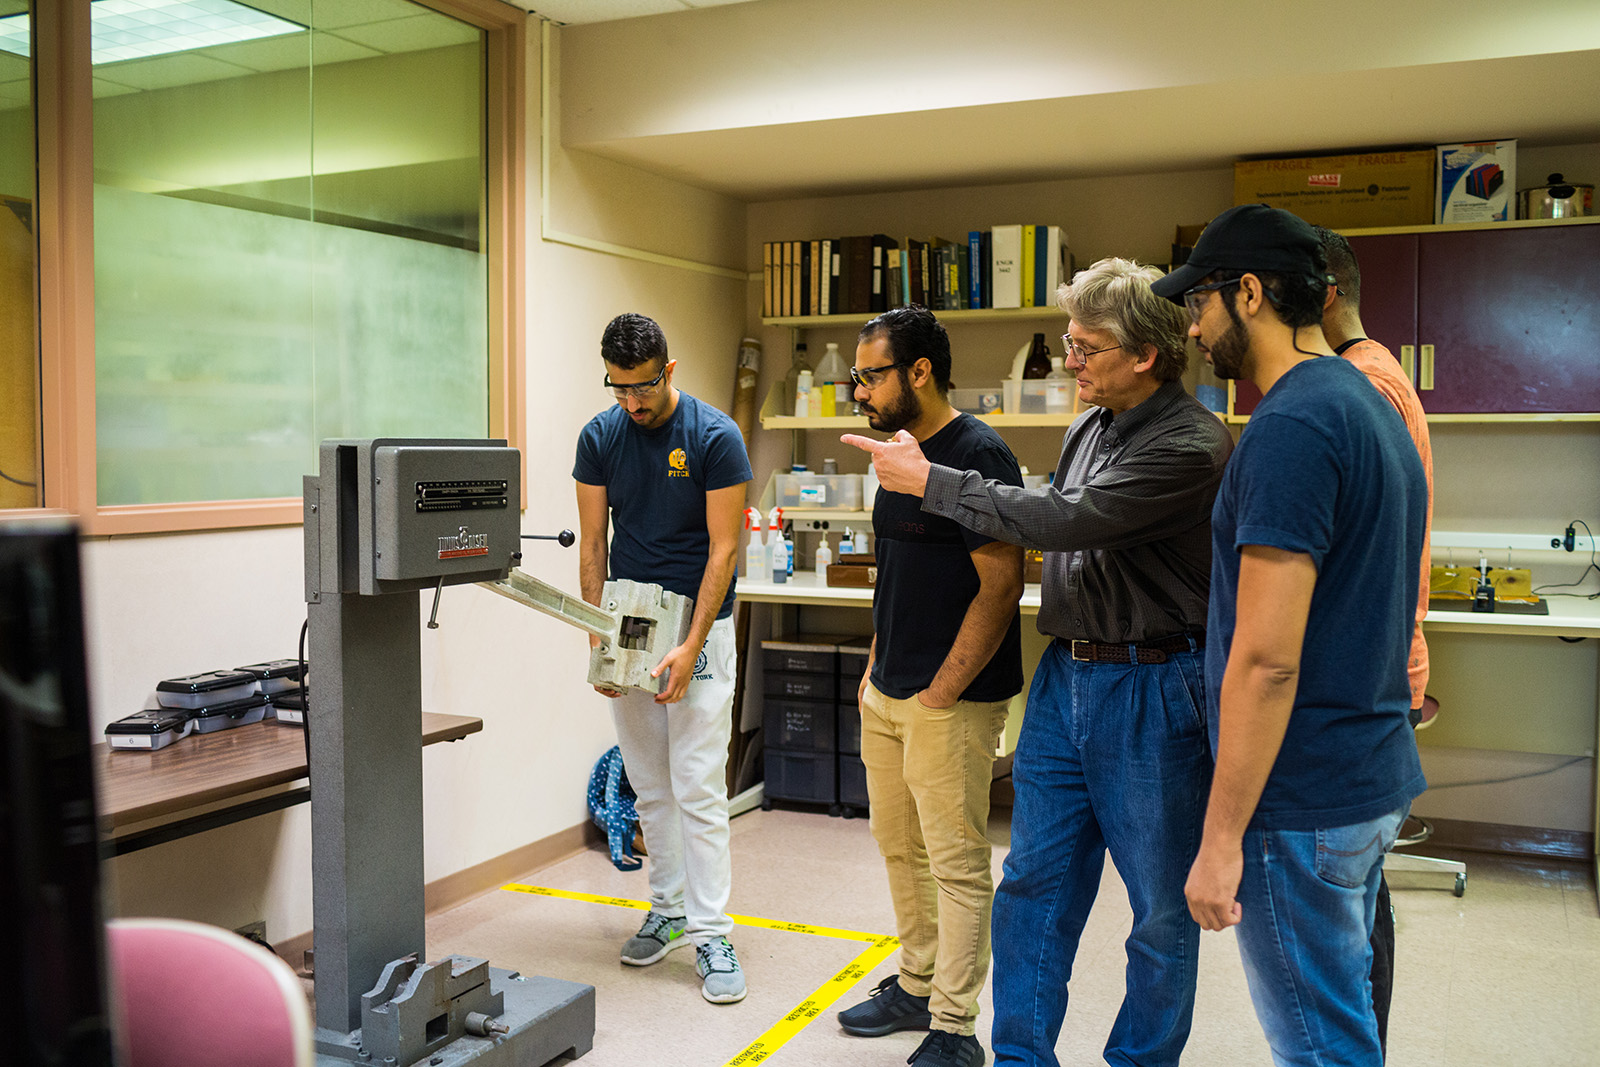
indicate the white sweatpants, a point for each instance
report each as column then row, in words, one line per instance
column 676, row 756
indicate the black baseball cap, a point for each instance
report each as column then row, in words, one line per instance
column 1252, row 237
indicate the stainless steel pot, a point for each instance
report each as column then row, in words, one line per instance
column 1557, row 199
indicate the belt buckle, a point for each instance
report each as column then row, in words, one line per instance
column 1082, row 651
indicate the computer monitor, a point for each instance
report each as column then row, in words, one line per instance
column 49, row 847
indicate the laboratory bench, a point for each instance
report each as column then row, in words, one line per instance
column 211, row 780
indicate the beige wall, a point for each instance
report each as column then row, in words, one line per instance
column 163, row 606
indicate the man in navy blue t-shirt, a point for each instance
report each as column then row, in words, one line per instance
column 1317, row 536
column 669, row 473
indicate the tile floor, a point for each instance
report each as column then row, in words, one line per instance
column 1507, row 975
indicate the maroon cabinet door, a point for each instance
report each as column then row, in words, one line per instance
column 1388, row 265
column 1513, row 318
column 1388, row 288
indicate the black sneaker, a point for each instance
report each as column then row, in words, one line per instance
column 944, row 1049
column 886, row 1009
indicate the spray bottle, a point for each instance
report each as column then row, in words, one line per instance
column 755, row 555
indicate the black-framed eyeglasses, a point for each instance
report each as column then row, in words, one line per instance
column 1195, row 301
column 640, row 389
column 872, row 377
column 1077, row 351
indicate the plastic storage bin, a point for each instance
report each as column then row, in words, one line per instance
column 215, row 717
column 274, row 676
column 806, row 490
column 798, row 725
column 148, row 731
column 809, row 777
column 289, row 707
column 849, row 730
column 979, row 401
column 813, row 656
column 199, row 690
column 852, row 781
column 802, row 686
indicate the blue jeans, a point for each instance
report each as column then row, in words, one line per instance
column 1307, row 898
column 1116, row 757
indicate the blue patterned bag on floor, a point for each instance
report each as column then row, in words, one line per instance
column 611, row 807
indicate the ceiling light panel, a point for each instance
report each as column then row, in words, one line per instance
column 138, row 29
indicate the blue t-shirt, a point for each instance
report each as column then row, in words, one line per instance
column 656, row 483
column 1326, row 467
column 926, row 579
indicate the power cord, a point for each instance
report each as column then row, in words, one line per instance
column 1568, row 541
column 305, row 695
column 18, row 481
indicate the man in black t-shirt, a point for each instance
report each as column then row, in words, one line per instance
column 946, row 661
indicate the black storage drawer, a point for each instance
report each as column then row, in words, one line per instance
column 800, row 686
column 852, row 665
column 849, row 730
column 852, row 781
column 798, row 725
column 800, row 656
column 802, row 776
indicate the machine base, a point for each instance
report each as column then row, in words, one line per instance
column 548, row 1017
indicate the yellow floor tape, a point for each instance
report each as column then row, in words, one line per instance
column 880, row 948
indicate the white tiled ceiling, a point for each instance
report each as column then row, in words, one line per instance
column 576, row 12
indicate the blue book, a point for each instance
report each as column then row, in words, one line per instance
column 975, row 269
column 1042, row 296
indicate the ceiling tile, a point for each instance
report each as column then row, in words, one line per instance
column 164, row 72
column 334, row 16
column 574, row 12
column 15, row 94
column 412, row 34
column 290, row 53
column 104, row 88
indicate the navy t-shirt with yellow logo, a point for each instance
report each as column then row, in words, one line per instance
column 656, row 483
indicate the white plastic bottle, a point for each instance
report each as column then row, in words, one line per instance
column 824, row 557
column 835, row 388
column 1057, row 388
column 802, row 396
column 860, row 547
column 780, row 560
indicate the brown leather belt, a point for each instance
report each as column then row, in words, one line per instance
column 1144, row 652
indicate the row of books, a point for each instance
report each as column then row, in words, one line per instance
column 1013, row 266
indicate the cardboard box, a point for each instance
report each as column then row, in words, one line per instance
column 1477, row 182
column 1343, row 192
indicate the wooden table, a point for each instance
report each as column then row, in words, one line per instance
column 207, row 769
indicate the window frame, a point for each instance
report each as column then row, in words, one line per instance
column 64, row 209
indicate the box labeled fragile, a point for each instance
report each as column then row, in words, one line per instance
column 1343, row 192
column 1477, row 182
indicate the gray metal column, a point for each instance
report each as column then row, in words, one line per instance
column 366, row 794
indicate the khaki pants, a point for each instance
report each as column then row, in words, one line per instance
column 928, row 777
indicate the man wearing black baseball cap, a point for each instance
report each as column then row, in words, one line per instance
column 1317, row 536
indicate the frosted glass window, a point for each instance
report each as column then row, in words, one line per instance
column 289, row 241
column 20, row 477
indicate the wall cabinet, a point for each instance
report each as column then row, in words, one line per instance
column 1490, row 323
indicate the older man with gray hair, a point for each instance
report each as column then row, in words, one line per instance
column 1114, row 751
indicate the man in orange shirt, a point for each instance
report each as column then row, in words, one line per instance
column 1341, row 325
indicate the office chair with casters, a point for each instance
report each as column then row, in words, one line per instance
column 1404, row 861
column 191, row 995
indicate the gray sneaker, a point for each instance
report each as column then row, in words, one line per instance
column 716, row 963
column 658, row 936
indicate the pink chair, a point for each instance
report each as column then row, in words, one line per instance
column 191, row 995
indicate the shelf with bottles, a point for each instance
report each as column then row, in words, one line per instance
column 832, row 516
column 773, row 418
